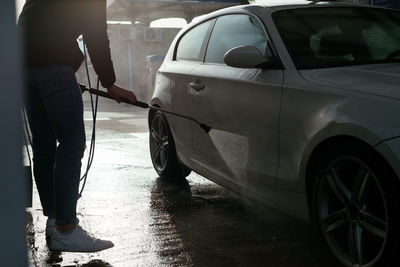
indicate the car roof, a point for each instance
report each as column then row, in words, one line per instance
column 272, row 6
column 304, row 3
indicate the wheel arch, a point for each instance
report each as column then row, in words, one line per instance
column 323, row 147
column 151, row 114
column 157, row 104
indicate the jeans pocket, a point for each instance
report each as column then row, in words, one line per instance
column 59, row 80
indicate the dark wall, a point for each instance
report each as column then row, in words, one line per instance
column 12, row 185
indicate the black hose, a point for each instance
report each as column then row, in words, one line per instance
column 144, row 105
column 94, row 115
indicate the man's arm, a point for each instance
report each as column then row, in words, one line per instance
column 96, row 39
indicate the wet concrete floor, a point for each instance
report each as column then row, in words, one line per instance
column 153, row 222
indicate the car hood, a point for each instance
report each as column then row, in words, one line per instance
column 377, row 79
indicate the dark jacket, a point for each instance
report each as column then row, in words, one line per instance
column 51, row 28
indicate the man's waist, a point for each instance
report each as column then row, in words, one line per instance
column 45, row 61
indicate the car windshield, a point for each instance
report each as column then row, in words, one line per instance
column 324, row 37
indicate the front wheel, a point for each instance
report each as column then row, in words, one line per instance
column 355, row 206
column 162, row 149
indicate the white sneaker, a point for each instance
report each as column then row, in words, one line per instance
column 78, row 241
column 50, row 227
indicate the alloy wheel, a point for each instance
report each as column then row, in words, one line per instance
column 352, row 212
column 159, row 143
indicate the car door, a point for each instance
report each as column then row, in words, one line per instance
column 176, row 75
column 241, row 105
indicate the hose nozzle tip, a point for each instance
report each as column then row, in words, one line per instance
column 205, row 127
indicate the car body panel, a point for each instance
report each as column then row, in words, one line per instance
column 312, row 113
column 243, row 142
column 377, row 79
column 174, row 79
column 292, row 203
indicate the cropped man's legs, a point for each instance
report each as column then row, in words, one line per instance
column 62, row 102
column 44, row 150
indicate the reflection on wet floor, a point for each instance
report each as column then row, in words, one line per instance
column 51, row 258
column 194, row 223
column 154, row 222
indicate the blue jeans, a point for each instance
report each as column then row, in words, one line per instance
column 55, row 113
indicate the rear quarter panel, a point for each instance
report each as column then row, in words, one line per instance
column 312, row 113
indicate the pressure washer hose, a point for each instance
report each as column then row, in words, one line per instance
column 94, row 115
column 97, row 92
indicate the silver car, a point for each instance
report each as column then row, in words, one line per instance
column 296, row 106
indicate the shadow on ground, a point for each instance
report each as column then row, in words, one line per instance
column 205, row 225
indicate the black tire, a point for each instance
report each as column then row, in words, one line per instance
column 162, row 149
column 355, row 201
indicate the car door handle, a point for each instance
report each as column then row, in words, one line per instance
column 197, row 86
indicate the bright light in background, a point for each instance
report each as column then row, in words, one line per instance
column 168, row 23
column 161, row 23
column 123, row 22
column 266, row 2
column 19, row 4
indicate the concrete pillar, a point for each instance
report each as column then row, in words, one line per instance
column 12, row 184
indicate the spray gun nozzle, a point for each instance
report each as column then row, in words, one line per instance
column 206, row 128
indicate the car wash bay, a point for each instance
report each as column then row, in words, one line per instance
column 153, row 222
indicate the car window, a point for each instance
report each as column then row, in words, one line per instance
column 333, row 37
column 231, row 31
column 189, row 47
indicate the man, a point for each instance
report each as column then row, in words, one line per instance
column 55, row 109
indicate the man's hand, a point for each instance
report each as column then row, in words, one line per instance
column 119, row 93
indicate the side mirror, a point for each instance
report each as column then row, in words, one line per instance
column 244, row 57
